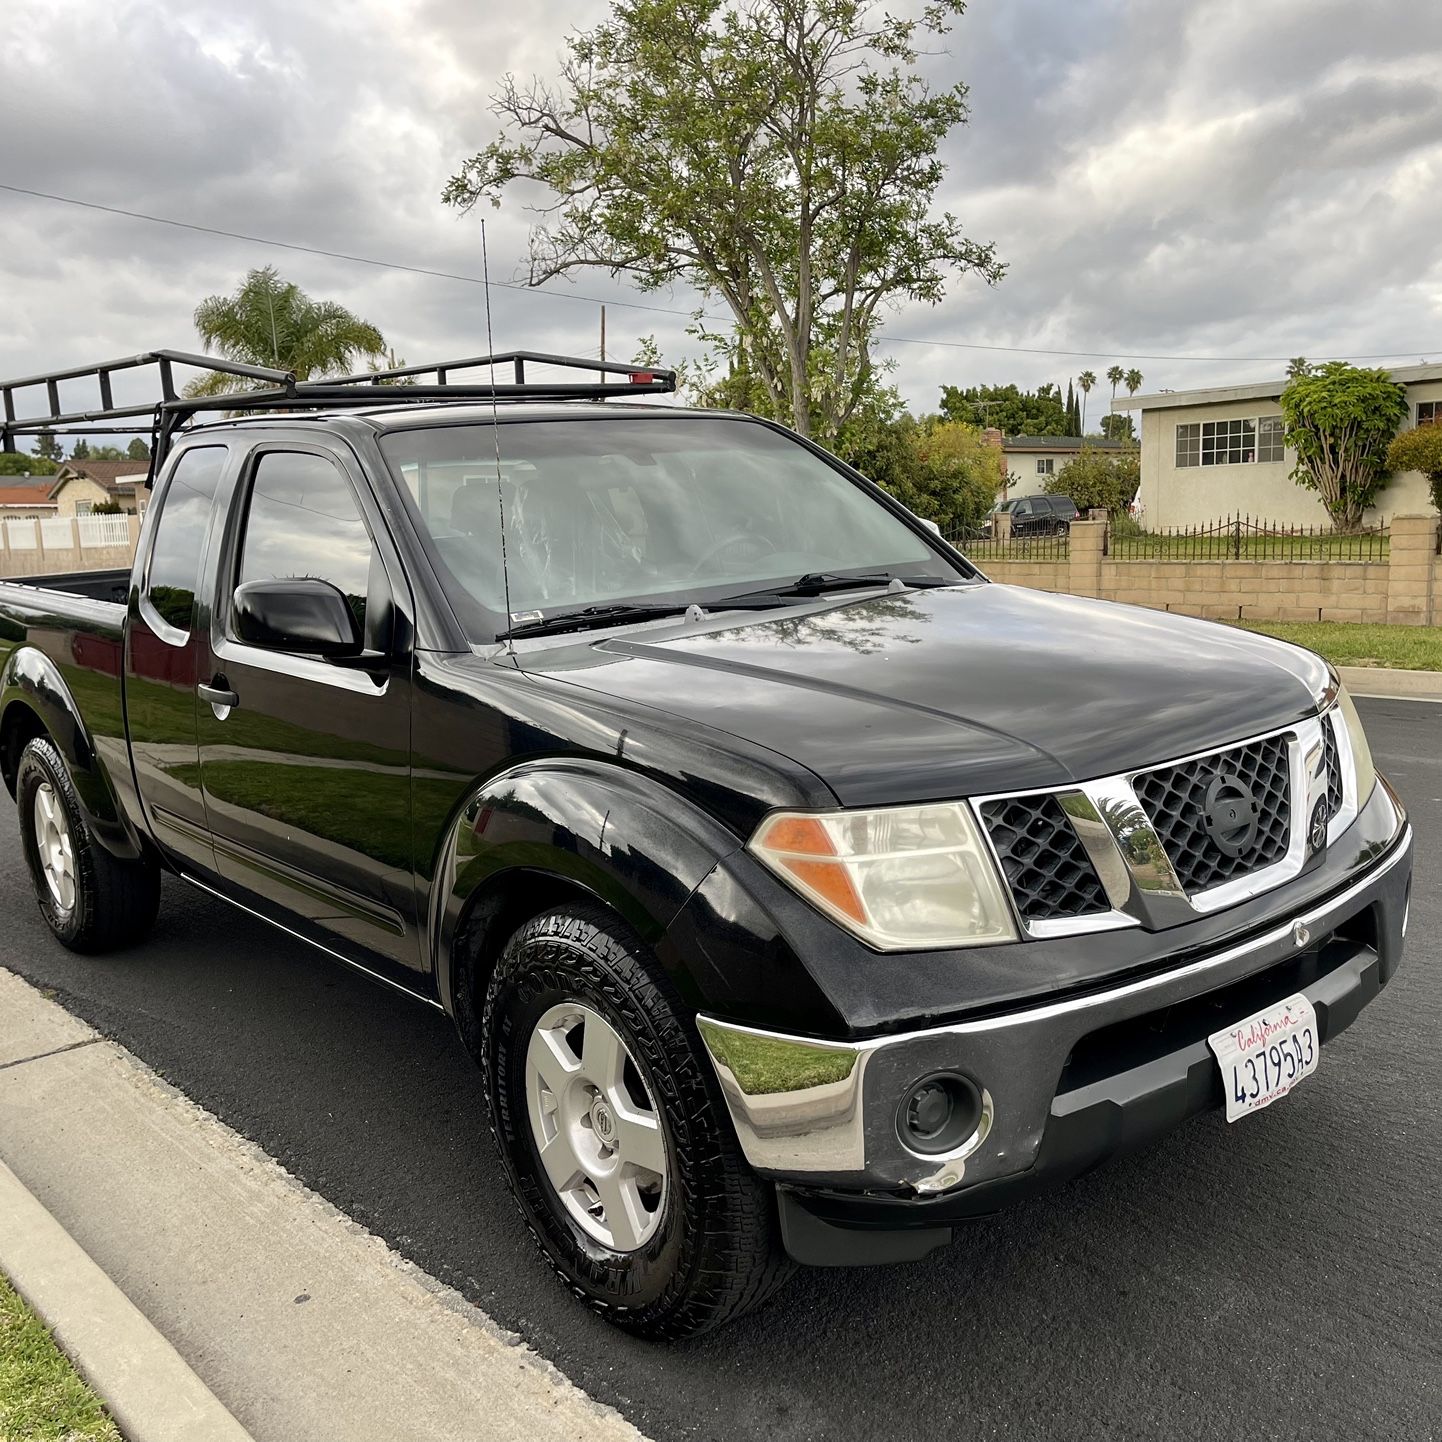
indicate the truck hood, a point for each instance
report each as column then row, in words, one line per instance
column 959, row 691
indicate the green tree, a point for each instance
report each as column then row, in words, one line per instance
column 943, row 471
column 1012, row 411
column 1420, row 449
column 1085, row 381
column 1133, row 381
column 48, row 446
column 268, row 321
column 105, row 453
column 137, row 450
column 1297, row 367
column 779, row 156
column 1340, row 419
column 1118, row 428
column 1116, row 375
column 107, row 508
column 80, row 451
column 17, row 463
column 1098, row 479
column 1072, row 417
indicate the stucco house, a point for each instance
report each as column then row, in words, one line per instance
column 1029, row 462
column 29, row 500
column 1217, row 452
column 80, row 486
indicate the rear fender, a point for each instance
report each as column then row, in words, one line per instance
column 625, row 839
column 34, row 697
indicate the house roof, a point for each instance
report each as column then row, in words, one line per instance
column 1260, row 391
column 109, row 474
column 30, row 494
column 1060, row 443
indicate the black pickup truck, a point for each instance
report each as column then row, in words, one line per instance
column 800, row 893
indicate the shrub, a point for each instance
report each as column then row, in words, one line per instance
column 1420, row 449
column 1099, row 479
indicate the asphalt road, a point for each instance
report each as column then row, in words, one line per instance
column 1278, row 1278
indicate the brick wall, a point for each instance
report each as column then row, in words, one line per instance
column 1405, row 589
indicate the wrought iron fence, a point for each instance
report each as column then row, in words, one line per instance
column 1244, row 538
column 981, row 546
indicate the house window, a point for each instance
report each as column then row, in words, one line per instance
column 1269, row 438
column 84, row 508
column 1189, row 445
column 1045, row 466
column 1428, row 411
column 1228, row 443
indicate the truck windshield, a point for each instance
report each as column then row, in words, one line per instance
column 636, row 509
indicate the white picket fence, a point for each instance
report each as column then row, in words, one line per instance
column 103, row 530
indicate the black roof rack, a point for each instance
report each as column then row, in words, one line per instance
column 396, row 387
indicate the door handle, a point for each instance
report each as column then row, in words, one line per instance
column 217, row 695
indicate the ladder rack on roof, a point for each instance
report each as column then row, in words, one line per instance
column 173, row 410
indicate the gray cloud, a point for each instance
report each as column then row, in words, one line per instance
column 1222, row 178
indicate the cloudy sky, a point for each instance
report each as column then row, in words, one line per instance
column 1234, row 180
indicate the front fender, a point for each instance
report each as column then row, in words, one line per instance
column 628, row 840
column 31, row 680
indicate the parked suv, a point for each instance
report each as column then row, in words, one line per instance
column 1038, row 515
column 800, row 893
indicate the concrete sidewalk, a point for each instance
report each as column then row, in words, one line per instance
column 300, row 1322
column 1390, row 683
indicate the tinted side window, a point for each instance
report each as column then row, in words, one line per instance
column 303, row 520
column 180, row 534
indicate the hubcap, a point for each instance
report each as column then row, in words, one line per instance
column 54, row 846
column 596, row 1127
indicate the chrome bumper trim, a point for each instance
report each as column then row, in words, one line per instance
column 799, row 1104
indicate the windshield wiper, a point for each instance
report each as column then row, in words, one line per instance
column 584, row 618
column 817, row 583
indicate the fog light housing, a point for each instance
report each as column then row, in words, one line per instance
column 939, row 1114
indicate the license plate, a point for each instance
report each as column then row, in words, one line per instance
column 1266, row 1055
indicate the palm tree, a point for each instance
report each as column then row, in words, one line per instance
column 1115, row 375
column 1297, row 367
column 1085, row 381
column 1132, row 381
column 271, row 322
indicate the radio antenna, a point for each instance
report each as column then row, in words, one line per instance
column 496, row 433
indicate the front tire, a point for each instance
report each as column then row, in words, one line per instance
column 92, row 901
column 614, row 1140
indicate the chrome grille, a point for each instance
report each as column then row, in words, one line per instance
column 1333, row 760
column 1045, row 864
column 1174, row 798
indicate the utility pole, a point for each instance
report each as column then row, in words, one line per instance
column 603, row 333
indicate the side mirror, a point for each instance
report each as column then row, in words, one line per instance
column 302, row 614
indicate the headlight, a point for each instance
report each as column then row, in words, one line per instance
column 1364, row 773
column 902, row 877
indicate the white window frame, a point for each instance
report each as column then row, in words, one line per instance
column 1046, row 465
column 1434, row 412
column 1230, row 442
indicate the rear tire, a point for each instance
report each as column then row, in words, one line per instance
column 697, row 1243
column 91, row 900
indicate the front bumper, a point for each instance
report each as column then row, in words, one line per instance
column 1065, row 1084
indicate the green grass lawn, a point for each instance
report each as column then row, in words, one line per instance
column 1344, row 643
column 42, row 1398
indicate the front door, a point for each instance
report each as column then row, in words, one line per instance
column 304, row 761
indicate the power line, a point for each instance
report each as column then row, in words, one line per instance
column 883, row 339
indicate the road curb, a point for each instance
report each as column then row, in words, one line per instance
column 144, row 1382
column 1391, row 683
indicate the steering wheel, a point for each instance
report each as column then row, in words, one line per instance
column 737, row 538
